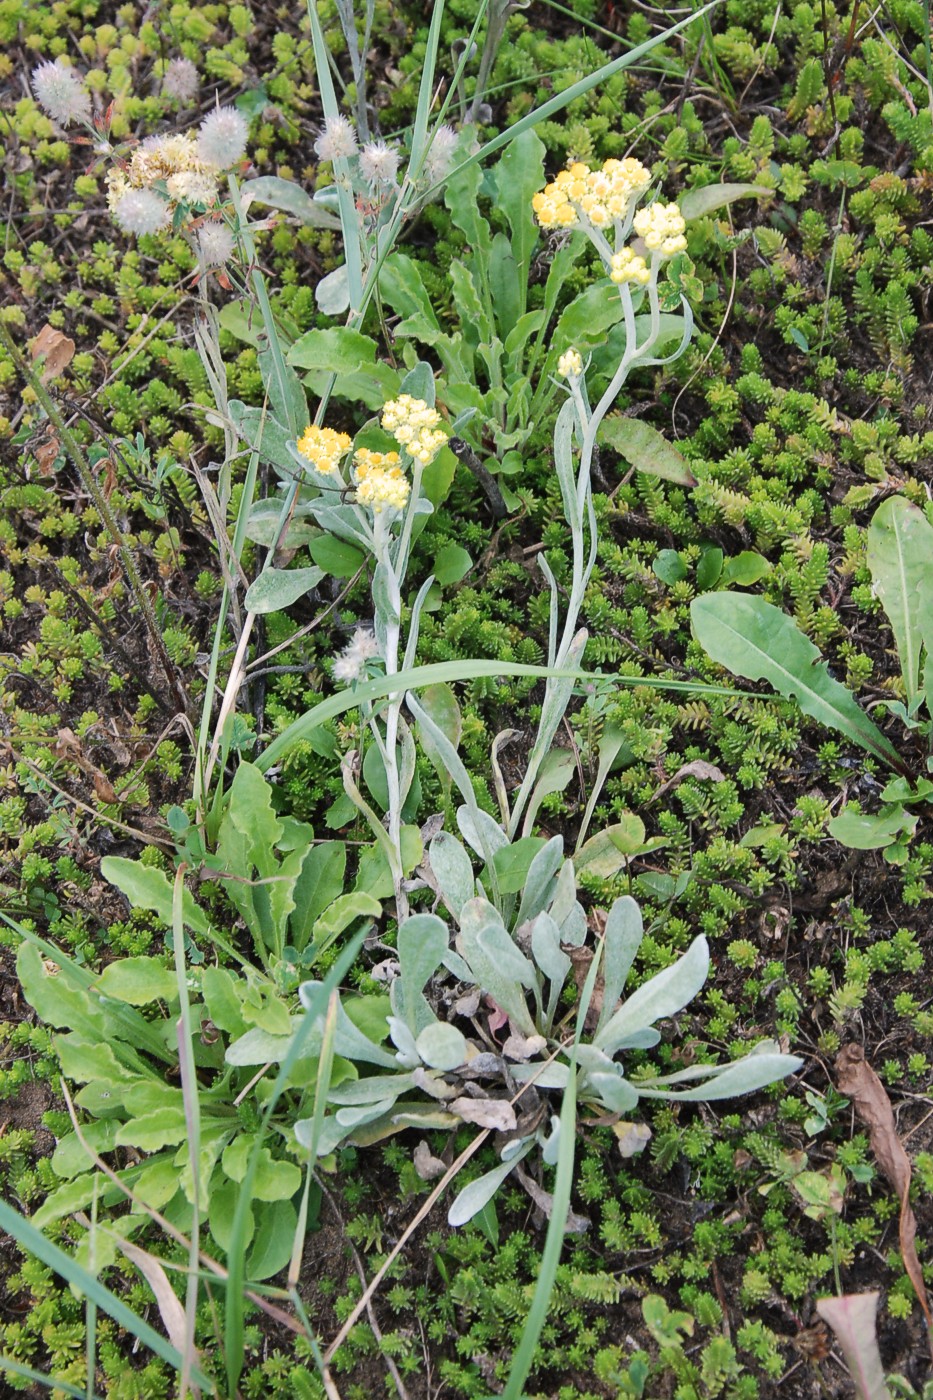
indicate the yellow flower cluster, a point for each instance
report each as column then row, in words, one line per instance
column 662, row 227
column 174, row 159
column 629, row 267
column 570, row 365
column 380, row 481
column 323, row 448
column 599, row 196
column 413, row 424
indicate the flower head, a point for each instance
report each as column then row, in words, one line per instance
column 215, row 244
column 662, row 227
column 222, row 137
column 378, row 163
column 61, row 92
column 627, row 266
column 440, row 153
column 351, row 664
column 380, row 482
column 597, row 197
column 180, row 80
column 337, row 141
column 140, row 211
column 323, row 448
column 570, row 365
column 173, row 161
column 414, row 425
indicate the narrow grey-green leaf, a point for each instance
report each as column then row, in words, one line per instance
column 289, row 198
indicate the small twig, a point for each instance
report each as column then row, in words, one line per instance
column 464, row 453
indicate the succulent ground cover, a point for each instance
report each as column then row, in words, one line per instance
column 701, row 1235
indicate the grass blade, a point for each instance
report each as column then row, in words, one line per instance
column 25, row 1234
column 447, row 671
column 563, row 1184
column 562, row 99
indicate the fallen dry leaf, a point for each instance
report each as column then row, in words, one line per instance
column 852, row 1318
column 699, row 768
column 631, row 1137
column 519, row 1047
column 497, row 1114
column 575, row 1225
column 46, row 453
column 428, row 1167
column 56, row 350
column 858, row 1081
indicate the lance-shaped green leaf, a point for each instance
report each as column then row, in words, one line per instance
column 900, row 557
column 646, row 449
column 288, row 198
column 480, row 1192
column 758, row 641
column 695, row 204
column 276, row 589
column 621, row 941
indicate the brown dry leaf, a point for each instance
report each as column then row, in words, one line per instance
column 170, row 1309
column 576, row 1224
column 699, row 768
column 497, row 1114
column 519, row 1047
column 581, row 959
column 46, row 453
column 428, row 1167
column 858, row 1081
column 852, row 1318
column 631, row 1137
column 57, row 352
column 103, row 787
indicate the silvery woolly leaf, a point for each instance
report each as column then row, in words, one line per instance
column 741, row 1077
column 551, row 1143
column 441, row 1046
column 616, row 1093
column 453, row 871
column 539, row 884
column 566, row 910
column 371, row 1090
column 663, row 995
column 331, row 1136
column 422, row 943
column 358, row 1114
column 552, row 1076
column 480, row 1192
column 621, row 940
column 332, row 293
column 481, row 832
column 404, row 1041
column 546, row 950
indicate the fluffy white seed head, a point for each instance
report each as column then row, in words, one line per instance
column 61, row 93
column 441, row 153
column 180, row 80
column 378, row 163
column 215, row 244
column 337, row 141
column 222, row 137
column 140, row 211
column 351, row 664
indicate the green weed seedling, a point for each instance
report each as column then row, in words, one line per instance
column 756, row 640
